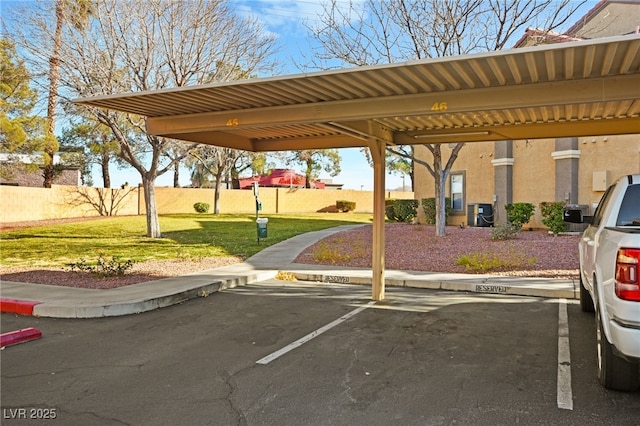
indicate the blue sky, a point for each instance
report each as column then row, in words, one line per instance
column 285, row 18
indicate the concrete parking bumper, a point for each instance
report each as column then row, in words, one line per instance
column 520, row 286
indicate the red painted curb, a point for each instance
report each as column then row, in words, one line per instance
column 22, row 307
column 19, row 336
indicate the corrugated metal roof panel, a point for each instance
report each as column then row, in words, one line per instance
column 608, row 59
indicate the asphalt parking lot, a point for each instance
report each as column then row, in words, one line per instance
column 304, row 353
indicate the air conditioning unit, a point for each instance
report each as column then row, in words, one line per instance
column 480, row 214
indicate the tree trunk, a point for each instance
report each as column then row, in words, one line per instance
column 440, row 176
column 54, row 76
column 216, row 192
column 441, row 215
column 106, row 177
column 411, row 175
column 308, row 173
column 176, row 175
column 153, row 223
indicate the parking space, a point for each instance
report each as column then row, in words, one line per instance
column 421, row 357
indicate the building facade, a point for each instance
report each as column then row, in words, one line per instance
column 33, row 176
column 572, row 170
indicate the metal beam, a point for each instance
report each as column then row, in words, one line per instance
column 231, row 140
column 366, row 129
column 599, row 127
column 225, row 139
column 594, row 90
column 311, row 142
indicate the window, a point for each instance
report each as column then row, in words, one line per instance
column 597, row 216
column 457, row 192
column 629, row 214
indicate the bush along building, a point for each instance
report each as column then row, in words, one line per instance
column 487, row 176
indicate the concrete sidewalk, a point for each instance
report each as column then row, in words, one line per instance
column 66, row 302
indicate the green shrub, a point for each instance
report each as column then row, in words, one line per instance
column 402, row 210
column 488, row 261
column 479, row 262
column 553, row 216
column 201, row 207
column 104, row 267
column 345, row 206
column 519, row 213
column 429, row 209
column 327, row 253
column 504, row 231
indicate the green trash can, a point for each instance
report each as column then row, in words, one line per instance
column 262, row 227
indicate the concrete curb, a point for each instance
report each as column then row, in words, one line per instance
column 20, row 307
column 19, row 336
column 133, row 299
column 66, row 302
column 535, row 287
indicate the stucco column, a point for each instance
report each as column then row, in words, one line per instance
column 567, row 158
column 503, row 179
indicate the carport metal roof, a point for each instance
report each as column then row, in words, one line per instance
column 570, row 89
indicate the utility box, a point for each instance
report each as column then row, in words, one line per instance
column 262, row 227
column 600, row 180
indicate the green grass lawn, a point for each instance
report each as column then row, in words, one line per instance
column 185, row 236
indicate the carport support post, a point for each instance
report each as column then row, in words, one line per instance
column 378, row 151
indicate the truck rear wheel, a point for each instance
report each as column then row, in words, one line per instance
column 586, row 301
column 614, row 372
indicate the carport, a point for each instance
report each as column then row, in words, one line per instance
column 563, row 90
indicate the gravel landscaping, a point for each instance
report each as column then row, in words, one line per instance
column 416, row 248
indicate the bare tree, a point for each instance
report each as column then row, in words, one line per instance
column 314, row 161
column 176, row 153
column 97, row 143
column 105, row 201
column 215, row 161
column 139, row 45
column 375, row 32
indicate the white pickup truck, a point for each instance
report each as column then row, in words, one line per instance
column 609, row 282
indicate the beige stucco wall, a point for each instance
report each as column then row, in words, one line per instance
column 474, row 161
column 615, row 155
column 534, row 174
column 273, row 200
column 534, row 169
column 28, row 203
column 614, row 19
column 20, row 203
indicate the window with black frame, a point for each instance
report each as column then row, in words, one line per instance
column 456, row 181
column 629, row 214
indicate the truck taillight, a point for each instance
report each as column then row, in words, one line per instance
column 627, row 285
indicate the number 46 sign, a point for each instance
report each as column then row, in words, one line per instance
column 439, row 107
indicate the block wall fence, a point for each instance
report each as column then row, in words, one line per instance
column 28, row 203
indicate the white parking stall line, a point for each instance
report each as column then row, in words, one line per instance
column 277, row 354
column 565, row 394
